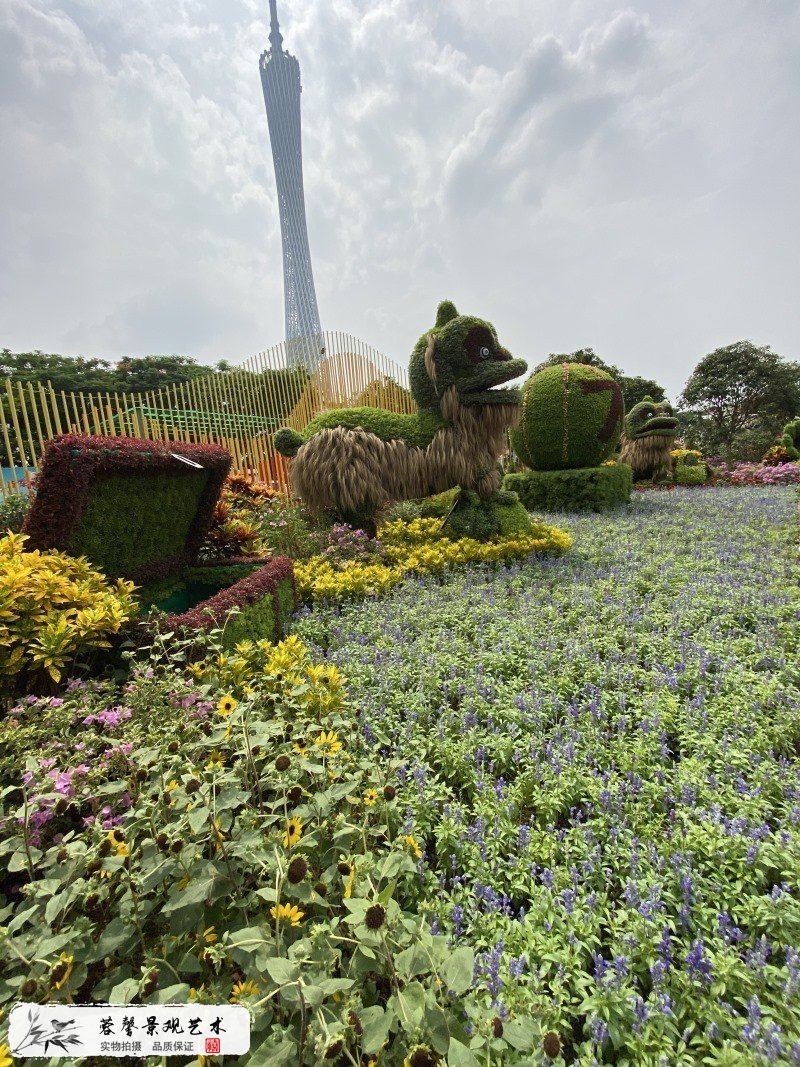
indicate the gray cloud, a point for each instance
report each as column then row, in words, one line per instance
column 583, row 173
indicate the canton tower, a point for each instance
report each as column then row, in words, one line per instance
column 280, row 78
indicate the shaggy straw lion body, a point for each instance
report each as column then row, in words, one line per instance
column 350, row 470
column 648, row 456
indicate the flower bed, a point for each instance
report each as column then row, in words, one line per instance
column 756, row 474
column 551, row 814
column 225, row 839
column 417, row 547
column 600, row 761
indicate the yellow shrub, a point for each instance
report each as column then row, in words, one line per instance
column 417, row 547
column 53, row 607
column 419, row 531
column 679, row 454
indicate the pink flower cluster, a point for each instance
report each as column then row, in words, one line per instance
column 756, row 474
column 109, row 718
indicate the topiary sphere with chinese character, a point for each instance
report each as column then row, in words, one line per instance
column 570, row 417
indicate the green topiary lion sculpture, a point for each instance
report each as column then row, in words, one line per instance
column 349, row 461
column 649, row 430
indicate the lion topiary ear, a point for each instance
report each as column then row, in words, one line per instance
column 445, row 312
column 647, row 400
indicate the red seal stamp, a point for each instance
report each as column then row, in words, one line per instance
column 213, row 1046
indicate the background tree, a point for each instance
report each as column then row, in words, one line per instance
column 145, row 373
column 89, row 375
column 738, row 399
column 581, row 355
column 634, row 388
column 132, row 374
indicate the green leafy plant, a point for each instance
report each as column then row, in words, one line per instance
column 53, row 610
column 247, row 850
column 13, row 509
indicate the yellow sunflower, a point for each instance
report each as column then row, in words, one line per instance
column 329, row 743
column 288, row 912
column 413, row 845
column 244, row 989
column 226, row 706
column 115, row 837
column 293, row 832
column 216, row 763
column 62, row 969
column 5, row 1056
column 370, row 797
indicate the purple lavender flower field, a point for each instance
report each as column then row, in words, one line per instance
column 601, row 754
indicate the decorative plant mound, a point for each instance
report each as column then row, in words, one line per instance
column 484, row 520
column 791, row 440
column 650, row 429
column 142, row 509
column 590, row 489
column 570, row 417
column 418, row 547
column 53, row 610
column 349, row 461
column 689, row 467
column 236, row 842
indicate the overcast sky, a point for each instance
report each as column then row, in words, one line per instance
column 580, row 172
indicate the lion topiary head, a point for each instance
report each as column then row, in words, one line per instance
column 462, row 352
column 650, row 418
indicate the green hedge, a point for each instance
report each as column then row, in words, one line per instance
column 257, row 621
column 587, row 489
column 686, row 474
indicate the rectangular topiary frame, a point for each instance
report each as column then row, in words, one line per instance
column 140, row 509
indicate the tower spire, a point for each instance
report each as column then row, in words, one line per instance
column 275, row 37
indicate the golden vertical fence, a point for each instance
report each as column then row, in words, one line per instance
column 239, row 409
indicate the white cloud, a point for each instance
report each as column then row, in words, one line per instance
column 581, row 171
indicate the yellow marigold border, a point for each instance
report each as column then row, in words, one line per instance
column 418, row 548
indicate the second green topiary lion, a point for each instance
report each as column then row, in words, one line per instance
column 650, row 429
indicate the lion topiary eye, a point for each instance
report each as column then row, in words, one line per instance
column 485, row 353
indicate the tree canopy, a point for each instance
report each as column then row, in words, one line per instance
column 738, row 398
column 129, row 375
